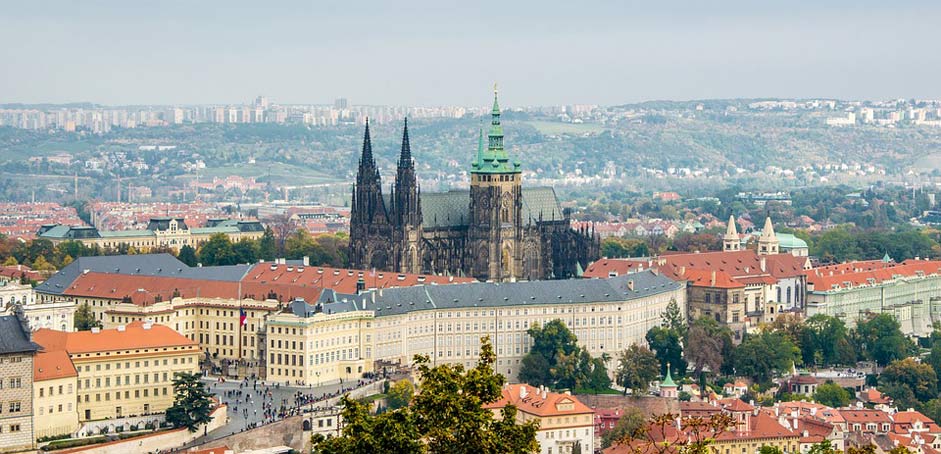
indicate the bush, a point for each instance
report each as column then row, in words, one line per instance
column 52, row 438
column 74, row 443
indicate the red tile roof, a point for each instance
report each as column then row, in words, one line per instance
column 865, row 416
column 342, row 280
column 50, row 365
column 528, row 399
column 146, row 289
column 134, row 336
column 827, row 279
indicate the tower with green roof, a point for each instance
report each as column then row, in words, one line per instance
column 495, row 228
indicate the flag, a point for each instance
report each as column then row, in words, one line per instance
column 243, row 317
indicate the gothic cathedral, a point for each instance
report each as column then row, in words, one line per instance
column 496, row 231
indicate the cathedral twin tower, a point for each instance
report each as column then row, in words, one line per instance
column 497, row 230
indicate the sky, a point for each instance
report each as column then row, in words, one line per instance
column 430, row 53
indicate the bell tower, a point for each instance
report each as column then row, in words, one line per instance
column 495, row 230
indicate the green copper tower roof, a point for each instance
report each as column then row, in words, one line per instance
column 668, row 380
column 495, row 158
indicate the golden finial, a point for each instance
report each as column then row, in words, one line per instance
column 494, row 88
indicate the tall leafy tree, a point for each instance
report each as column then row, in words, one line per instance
column 832, row 395
column 637, row 367
column 245, row 251
column 447, row 415
column 400, row 394
column 217, row 251
column 188, row 255
column 629, row 426
column 764, row 355
column 665, row 342
column 879, row 338
column 708, row 346
column 192, row 402
column 918, row 377
column 85, row 318
column 267, row 245
column 825, row 341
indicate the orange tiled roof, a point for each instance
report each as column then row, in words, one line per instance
column 534, row 403
column 342, row 280
column 52, row 364
column 145, row 289
column 824, row 279
column 134, row 336
column 865, row 416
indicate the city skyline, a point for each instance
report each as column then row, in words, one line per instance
column 116, row 54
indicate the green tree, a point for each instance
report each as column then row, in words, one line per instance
column 637, row 367
column 825, row 342
column 614, row 247
column 447, row 415
column 832, row 395
column 628, row 427
column 879, row 338
column 763, row 355
column 824, row 447
column 708, row 346
column 192, row 402
column 666, row 343
column 188, row 255
column 217, row 251
column 85, row 318
column 673, row 318
column 267, row 246
column 400, row 394
column 552, row 342
column 769, row 450
column 918, row 377
column 245, row 250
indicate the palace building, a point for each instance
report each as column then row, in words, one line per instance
column 498, row 230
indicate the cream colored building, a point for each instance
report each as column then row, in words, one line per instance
column 54, row 394
column 563, row 420
column 163, row 232
column 126, row 371
column 58, row 315
column 308, row 346
column 446, row 322
column 212, row 322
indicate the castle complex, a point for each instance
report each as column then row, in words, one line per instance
column 496, row 231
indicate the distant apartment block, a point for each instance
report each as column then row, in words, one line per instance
column 164, row 232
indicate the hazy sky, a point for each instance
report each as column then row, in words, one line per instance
column 441, row 52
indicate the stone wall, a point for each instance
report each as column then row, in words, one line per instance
column 649, row 405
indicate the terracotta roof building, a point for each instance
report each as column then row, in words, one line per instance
column 563, row 420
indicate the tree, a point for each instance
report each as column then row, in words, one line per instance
column 673, row 318
column 192, row 402
column 919, row 378
column 666, row 342
column 245, row 251
column 825, row 342
column 614, row 247
column 267, row 247
column 447, row 415
column 824, row 447
column 188, row 255
column 553, row 354
column 637, row 367
column 879, row 338
column 629, row 426
column 832, row 395
column 40, row 264
column 217, row 251
column 708, row 346
column 85, row 318
column 763, row 355
column 400, row 394
column 769, row 450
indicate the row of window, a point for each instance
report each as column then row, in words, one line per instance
column 127, row 394
column 127, row 380
column 12, row 383
column 51, row 408
column 43, row 393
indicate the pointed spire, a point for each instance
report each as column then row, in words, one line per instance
column 767, row 232
column 668, row 379
column 367, row 145
column 405, row 159
column 731, row 231
column 496, row 105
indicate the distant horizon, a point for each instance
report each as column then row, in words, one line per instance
column 483, row 105
column 432, row 53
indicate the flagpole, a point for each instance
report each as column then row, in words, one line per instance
column 238, row 353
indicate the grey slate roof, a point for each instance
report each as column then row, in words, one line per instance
column 142, row 264
column 394, row 301
column 13, row 339
column 452, row 208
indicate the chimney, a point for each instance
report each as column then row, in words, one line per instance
column 522, row 391
column 630, row 285
column 306, row 261
column 683, row 271
column 764, row 264
column 713, row 278
column 147, row 325
column 95, row 330
column 121, row 328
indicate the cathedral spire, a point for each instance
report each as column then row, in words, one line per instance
column 405, row 159
column 367, row 146
column 479, row 160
